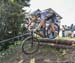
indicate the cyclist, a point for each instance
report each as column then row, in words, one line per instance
column 50, row 19
column 45, row 17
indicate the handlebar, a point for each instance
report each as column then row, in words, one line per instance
column 30, row 28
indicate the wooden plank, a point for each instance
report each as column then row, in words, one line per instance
column 58, row 45
column 57, row 41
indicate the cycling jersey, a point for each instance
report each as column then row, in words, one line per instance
column 44, row 15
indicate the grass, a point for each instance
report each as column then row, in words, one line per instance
column 10, row 48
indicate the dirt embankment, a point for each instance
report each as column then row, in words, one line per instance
column 46, row 54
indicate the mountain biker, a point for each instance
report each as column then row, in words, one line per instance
column 50, row 19
column 45, row 17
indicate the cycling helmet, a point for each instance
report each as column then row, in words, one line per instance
column 37, row 13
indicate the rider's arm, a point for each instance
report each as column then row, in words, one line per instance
column 33, row 20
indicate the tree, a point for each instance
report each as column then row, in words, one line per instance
column 11, row 17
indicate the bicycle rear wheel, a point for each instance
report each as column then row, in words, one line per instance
column 56, row 33
column 30, row 45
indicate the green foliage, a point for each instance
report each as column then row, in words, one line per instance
column 11, row 17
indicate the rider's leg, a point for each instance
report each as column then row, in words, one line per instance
column 52, row 28
column 42, row 24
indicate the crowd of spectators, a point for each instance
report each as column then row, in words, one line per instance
column 68, row 31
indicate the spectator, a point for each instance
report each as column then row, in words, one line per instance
column 72, row 28
column 63, row 31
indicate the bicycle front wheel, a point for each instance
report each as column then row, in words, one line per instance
column 30, row 45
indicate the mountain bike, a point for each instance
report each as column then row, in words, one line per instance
column 31, row 43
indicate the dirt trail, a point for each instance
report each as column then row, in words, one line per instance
column 44, row 55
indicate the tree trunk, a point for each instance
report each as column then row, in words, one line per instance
column 57, row 41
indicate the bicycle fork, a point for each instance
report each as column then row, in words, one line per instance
column 32, row 39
